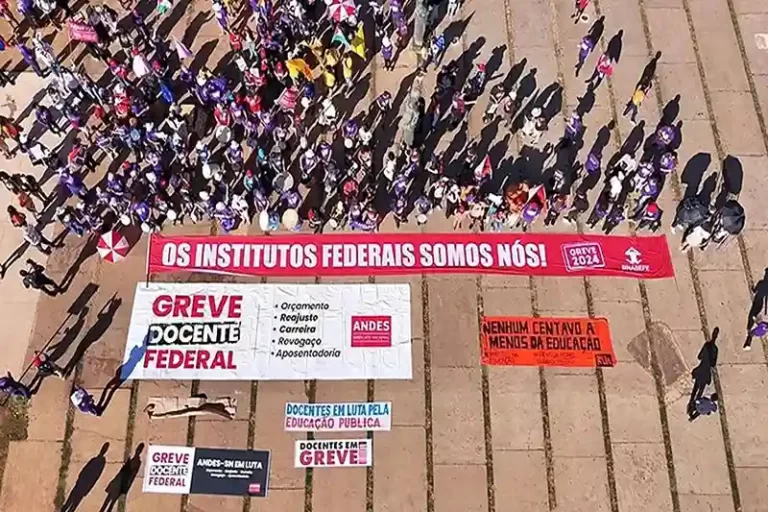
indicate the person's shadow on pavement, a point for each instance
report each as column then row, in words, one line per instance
column 97, row 330
column 702, row 374
column 123, row 480
column 86, row 480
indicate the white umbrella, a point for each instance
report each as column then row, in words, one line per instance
column 113, row 246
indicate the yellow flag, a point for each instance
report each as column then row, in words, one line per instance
column 297, row 67
column 357, row 44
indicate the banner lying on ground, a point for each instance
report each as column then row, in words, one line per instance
column 333, row 452
column 375, row 254
column 190, row 470
column 341, row 417
column 526, row 341
column 223, row 331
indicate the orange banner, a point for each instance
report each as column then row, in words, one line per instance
column 527, row 341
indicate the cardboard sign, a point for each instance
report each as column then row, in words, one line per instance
column 222, row 331
column 333, row 453
column 369, row 254
column 190, row 470
column 527, row 341
column 341, row 417
column 82, row 32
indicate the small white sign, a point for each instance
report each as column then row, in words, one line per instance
column 333, row 453
column 169, row 469
column 338, row 417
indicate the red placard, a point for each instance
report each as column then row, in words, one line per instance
column 82, row 32
column 429, row 253
column 528, row 341
column 371, row 331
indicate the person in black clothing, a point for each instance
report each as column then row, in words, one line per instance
column 702, row 374
column 34, row 277
column 44, row 116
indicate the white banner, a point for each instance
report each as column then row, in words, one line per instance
column 333, row 453
column 341, row 417
column 219, row 331
column 169, row 469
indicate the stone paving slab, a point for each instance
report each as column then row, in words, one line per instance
column 641, row 477
column 27, row 473
column 460, row 488
column 400, row 471
column 581, row 484
column 527, row 469
column 270, row 434
column 91, row 432
column 456, row 408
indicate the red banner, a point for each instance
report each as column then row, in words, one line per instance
column 82, row 32
column 428, row 253
column 528, row 341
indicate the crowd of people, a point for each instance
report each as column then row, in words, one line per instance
column 267, row 136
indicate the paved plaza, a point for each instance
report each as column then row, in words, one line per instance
column 465, row 438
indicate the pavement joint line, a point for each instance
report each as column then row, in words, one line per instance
column 370, row 397
column 251, row 440
column 602, row 399
column 428, row 427
column 545, row 419
column 675, row 184
column 194, row 389
column 130, row 430
column 484, row 383
column 487, row 424
column 310, row 387
column 656, row 371
column 763, row 132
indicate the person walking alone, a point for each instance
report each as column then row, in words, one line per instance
column 34, row 277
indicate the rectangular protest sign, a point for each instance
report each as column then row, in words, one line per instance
column 191, row 470
column 527, row 341
column 368, row 254
column 218, row 331
column 82, row 32
column 327, row 453
column 338, row 417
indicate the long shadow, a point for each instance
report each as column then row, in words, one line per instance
column 194, row 28
column 456, row 29
column 466, row 59
column 86, row 480
column 202, row 56
column 693, row 173
column 69, row 336
column 649, row 71
column 615, row 45
column 597, row 29
column 122, row 374
column 122, row 482
column 96, row 331
column 549, row 100
column 88, row 250
column 702, row 374
column 733, row 179
column 514, row 74
column 347, row 104
column 586, row 103
column 494, row 62
column 172, row 18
